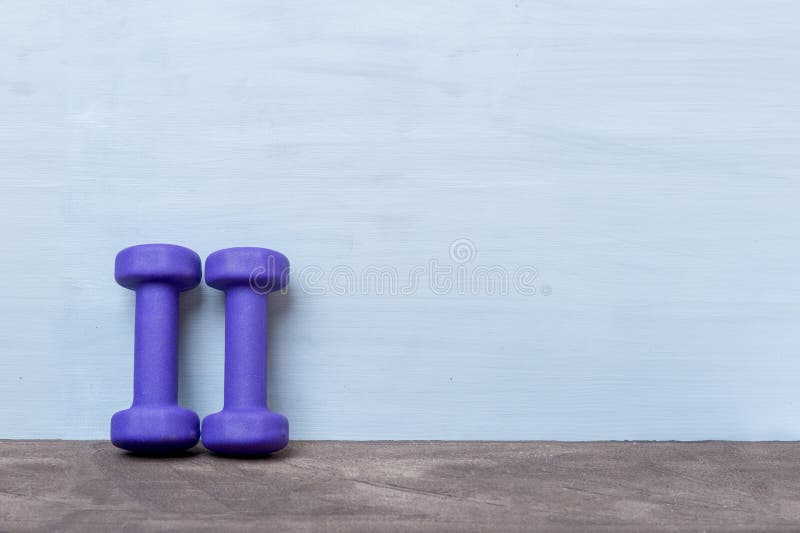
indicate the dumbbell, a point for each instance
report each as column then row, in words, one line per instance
column 246, row 426
column 155, row 423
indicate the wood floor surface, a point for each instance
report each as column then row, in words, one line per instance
column 405, row 486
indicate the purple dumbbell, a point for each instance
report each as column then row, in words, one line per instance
column 155, row 423
column 245, row 426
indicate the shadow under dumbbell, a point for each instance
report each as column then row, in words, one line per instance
column 166, row 455
column 284, row 454
column 200, row 450
column 279, row 308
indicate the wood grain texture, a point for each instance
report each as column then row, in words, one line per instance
column 409, row 486
column 642, row 156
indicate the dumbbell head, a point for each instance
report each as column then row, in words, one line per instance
column 245, row 431
column 155, row 429
column 164, row 263
column 263, row 269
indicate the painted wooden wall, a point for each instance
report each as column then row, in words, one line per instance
column 638, row 162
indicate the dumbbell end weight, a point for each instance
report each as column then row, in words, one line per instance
column 261, row 269
column 170, row 264
column 155, row 423
column 155, row 429
column 248, row 431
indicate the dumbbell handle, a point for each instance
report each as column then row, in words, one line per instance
column 245, row 347
column 155, row 351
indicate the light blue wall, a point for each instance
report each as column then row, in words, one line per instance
column 644, row 157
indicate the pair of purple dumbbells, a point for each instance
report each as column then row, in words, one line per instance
column 155, row 423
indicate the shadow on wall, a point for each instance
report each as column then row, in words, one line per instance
column 280, row 305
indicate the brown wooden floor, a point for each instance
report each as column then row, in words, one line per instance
column 405, row 486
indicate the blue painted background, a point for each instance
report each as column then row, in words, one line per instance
column 643, row 157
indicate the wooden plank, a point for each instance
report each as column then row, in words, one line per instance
column 409, row 486
column 642, row 156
